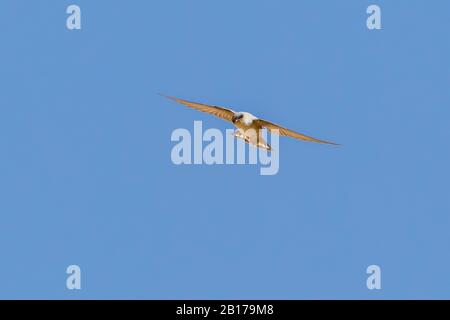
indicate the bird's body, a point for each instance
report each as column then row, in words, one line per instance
column 249, row 127
column 249, row 130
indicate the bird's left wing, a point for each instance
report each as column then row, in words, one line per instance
column 223, row 113
column 287, row 132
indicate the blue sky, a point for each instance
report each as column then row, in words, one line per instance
column 86, row 176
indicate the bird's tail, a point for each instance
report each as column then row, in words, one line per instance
column 261, row 143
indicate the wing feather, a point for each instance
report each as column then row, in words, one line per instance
column 287, row 132
column 220, row 112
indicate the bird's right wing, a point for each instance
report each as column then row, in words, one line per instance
column 223, row 113
column 290, row 133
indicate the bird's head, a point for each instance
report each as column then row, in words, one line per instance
column 237, row 117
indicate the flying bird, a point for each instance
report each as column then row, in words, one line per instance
column 249, row 127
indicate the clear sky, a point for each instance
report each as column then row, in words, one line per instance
column 86, row 176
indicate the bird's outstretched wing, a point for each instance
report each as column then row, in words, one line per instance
column 223, row 113
column 286, row 132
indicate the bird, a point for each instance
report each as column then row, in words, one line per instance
column 249, row 127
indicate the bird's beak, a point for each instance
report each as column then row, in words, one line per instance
column 233, row 119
